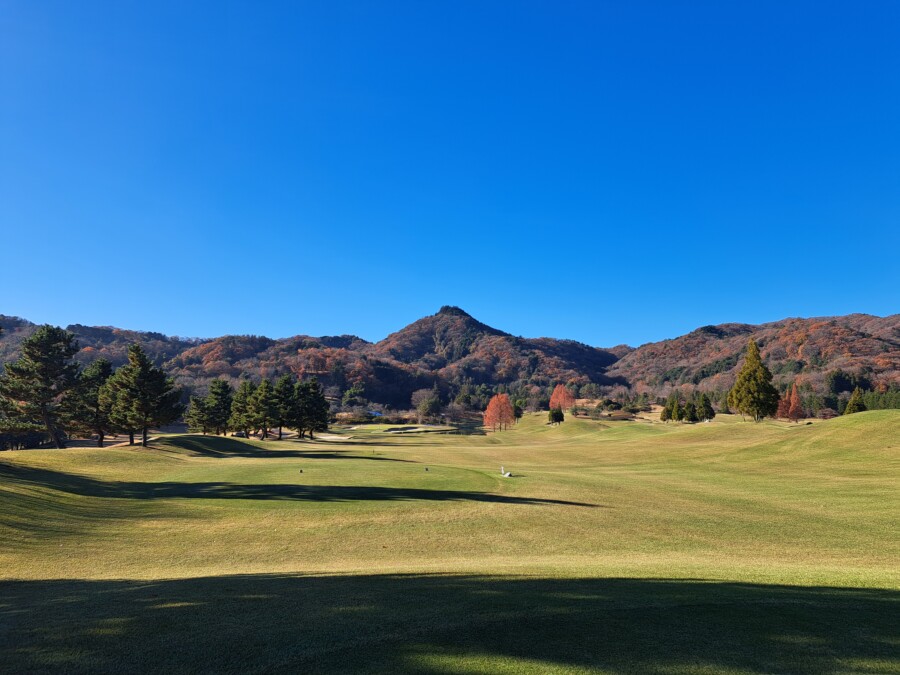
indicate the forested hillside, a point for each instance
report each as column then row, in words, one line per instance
column 465, row 359
column 859, row 348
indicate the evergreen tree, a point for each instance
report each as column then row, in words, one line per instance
column 855, row 404
column 85, row 409
column 197, row 416
column 690, row 412
column 218, row 405
column 556, row 416
column 263, row 408
column 723, row 404
column 120, row 421
column 753, row 393
column 241, row 418
column 705, row 410
column 666, row 414
column 284, row 402
column 677, row 412
column 141, row 396
column 35, row 386
column 311, row 409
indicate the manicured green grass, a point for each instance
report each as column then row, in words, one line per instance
column 616, row 547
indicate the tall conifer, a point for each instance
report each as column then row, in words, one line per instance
column 284, row 401
column 85, row 410
column 142, row 396
column 35, row 386
column 855, row 404
column 218, row 405
column 241, row 418
column 753, row 393
column 263, row 408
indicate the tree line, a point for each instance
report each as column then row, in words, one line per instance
column 697, row 408
column 259, row 408
column 46, row 395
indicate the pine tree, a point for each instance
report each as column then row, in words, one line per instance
column 34, row 387
column 677, row 412
column 690, row 412
column 284, row 402
column 218, row 405
column 723, row 404
column 85, row 410
column 556, row 416
column 197, row 416
column 666, row 414
column 241, row 418
column 310, row 409
column 795, row 406
column 263, row 408
column 141, row 396
column 855, row 404
column 753, row 393
column 705, row 410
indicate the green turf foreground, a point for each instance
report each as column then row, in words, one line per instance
column 630, row 547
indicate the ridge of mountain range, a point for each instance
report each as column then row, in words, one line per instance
column 451, row 348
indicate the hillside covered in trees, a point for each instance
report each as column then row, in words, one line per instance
column 820, row 354
column 466, row 361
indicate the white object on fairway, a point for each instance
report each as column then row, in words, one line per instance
column 505, row 474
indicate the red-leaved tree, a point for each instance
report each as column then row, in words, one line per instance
column 561, row 398
column 784, row 406
column 795, row 407
column 499, row 412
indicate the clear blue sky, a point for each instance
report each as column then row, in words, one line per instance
column 603, row 171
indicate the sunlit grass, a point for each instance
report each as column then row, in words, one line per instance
column 772, row 505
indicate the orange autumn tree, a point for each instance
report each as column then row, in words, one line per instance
column 784, row 405
column 561, row 398
column 795, row 407
column 499, row 412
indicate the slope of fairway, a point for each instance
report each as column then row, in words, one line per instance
column 610, row 543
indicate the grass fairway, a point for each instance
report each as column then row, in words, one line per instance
column 628, row 547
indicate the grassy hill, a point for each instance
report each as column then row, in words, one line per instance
column 631, row 546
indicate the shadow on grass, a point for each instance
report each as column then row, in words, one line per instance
column 92, row 487
column 389, row 624
column 220, row 446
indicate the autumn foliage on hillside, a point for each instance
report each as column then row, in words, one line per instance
column 804, row 351
column 500, row 412
column 456, row 352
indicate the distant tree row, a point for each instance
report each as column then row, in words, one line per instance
column 46, row 395
column 698, row 408
column 258, row 408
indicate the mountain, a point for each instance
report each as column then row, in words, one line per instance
column 807, row 350
column 456, row 347
column 451, row 349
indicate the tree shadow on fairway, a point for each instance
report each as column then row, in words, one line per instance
column 439, row 624
column 92, row 487
column 221, row 447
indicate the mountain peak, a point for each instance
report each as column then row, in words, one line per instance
column 451, row 310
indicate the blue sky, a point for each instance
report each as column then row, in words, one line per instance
column 604, row 171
